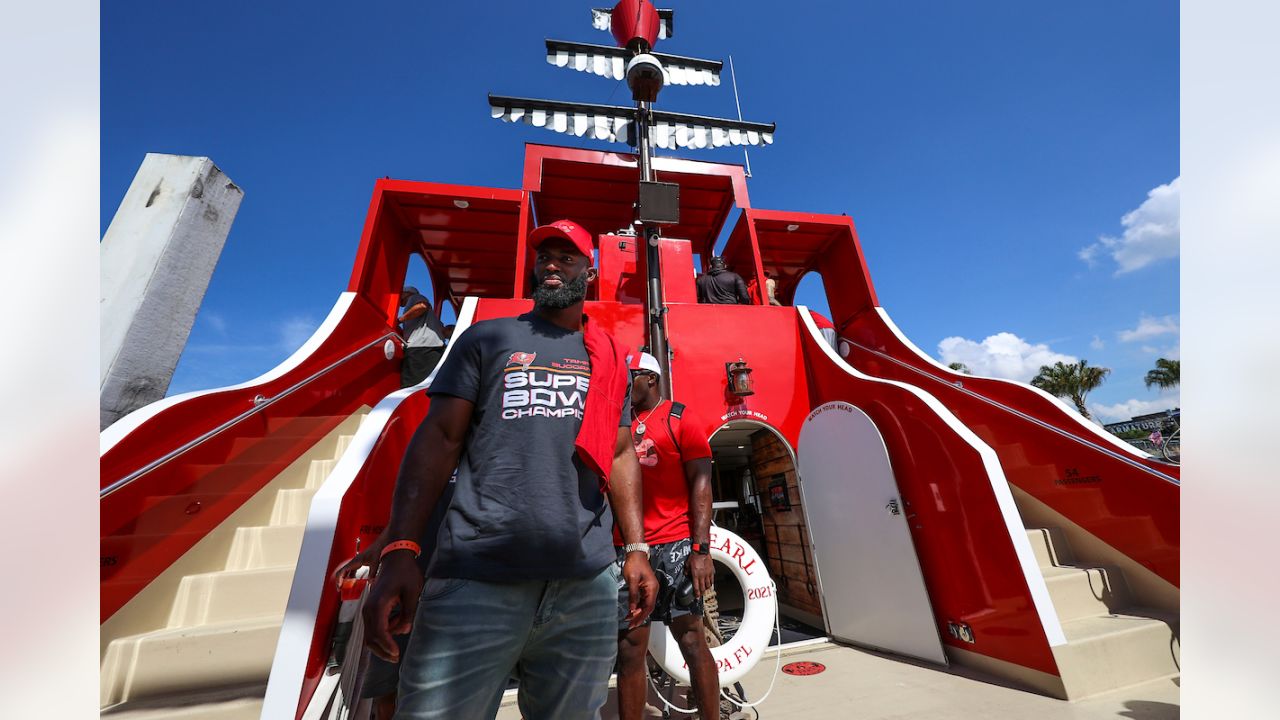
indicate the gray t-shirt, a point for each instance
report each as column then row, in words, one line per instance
column 426, row 330
column 525, row 507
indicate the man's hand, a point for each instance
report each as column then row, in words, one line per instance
column 369, row 556
column 702, row 571
column 398, row 585
column 642, row 588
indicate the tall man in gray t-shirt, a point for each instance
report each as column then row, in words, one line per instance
column 423, row 337
column 523, row 579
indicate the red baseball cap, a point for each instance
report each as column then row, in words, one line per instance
column 567, row 229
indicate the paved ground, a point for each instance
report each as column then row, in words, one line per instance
column 868, row 686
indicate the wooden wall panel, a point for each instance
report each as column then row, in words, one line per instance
column 786, row 539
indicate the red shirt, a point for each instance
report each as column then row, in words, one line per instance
column 666, row 492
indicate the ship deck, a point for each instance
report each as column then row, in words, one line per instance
column 872, row 686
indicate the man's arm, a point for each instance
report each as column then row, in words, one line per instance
column 428, row 463
column 697, row 474
column 413, row 312
column 624, row 496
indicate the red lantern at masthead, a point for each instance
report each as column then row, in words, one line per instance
column 633, row 20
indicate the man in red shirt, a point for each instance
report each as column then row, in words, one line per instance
column 675, row 467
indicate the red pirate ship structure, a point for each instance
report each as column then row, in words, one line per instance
column 895, row 503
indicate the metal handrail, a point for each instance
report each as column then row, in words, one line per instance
column 260, row 403
column 1070, row 436
column 1174, row 439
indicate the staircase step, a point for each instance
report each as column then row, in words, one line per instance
column 160, row 514
column 265, row 546
column 1109, row 652
column 230, row 595
column 318, row 472
column 1051, row 547
column 1136, row 529
column 344, row 442
column 291, row 506
column 232, row 703
column 297, row 425
column 1011, row 454
column 187, row 660
column 1081, row 592
column 252, row 447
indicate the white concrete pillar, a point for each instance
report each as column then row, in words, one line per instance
column 156, row 261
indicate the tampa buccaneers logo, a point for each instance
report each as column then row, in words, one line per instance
column 523, row 359
column 647, row 452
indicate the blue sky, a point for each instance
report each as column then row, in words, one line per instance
column 1011, row 166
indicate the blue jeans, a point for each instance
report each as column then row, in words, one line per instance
column 558, row 637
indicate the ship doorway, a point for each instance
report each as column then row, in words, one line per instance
column 755, row 496
column 860, row 525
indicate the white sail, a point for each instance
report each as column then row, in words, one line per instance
column 616, row 124
column 611, row 62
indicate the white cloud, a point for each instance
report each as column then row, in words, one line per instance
column 295, row 331
column 1003, row 355
column 1150, row 327
column 1133, row 407
column 1090, row 254
column 290, row 334
column 1097, row 343
column 234, row 359
column 1152, row 232
column 216, row 322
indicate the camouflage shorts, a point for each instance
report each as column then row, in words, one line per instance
column 668, row 561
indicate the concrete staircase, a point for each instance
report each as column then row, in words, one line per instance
column 1111, row 643
column 214, row 639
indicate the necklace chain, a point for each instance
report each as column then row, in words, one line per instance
column 652, row 410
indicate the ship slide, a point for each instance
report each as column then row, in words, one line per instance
column 1119, row 505
column 990, row 552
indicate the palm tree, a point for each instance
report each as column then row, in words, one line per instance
column 1072, row 381
column 960, row 368
column 1165, row 374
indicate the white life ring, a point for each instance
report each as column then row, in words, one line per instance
column 743, row 651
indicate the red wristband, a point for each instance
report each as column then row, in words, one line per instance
column 401, row 545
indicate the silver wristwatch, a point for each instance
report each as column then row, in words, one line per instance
column 637, row 547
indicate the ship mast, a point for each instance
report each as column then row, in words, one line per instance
column 637, row 25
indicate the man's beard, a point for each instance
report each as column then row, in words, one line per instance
column 558, row 298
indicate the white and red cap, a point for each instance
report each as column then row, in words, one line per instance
column 567, row 229
column 645, row 361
